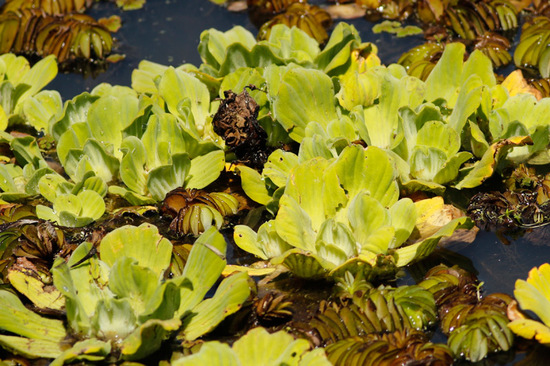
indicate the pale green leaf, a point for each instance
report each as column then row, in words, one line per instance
column 213, row 353
column 254, row 185
column 39, row 76
column 229, row 297
column 258, row 346
column 17, row 319
column 132, row 171
column 90, row 350
column 32, row 348
column 303, row 96
column 336, row 55
column 338, row 235
column 92, row 203
column 426, row 162
column 247, row 240
column 278, row 166
column 403, row 216
column 142, row 243
column 316, row 187
column 108, row 116
column 175, row 86
column 75, row 111
column 213, row 44
column 208, row 248
column 371, row 170
column 147, row 339
column 113, row 319
column 52, row 185
column 294, row 225
column 205, row 169
column 41, row 108
column 166, row 178
column 292, row 44
column 137, row 283
column 3, row 119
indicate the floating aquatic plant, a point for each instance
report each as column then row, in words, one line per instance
column 152, row 153
column 420, row 60
column 334, row 218
column 74, row 210
column 380, row 325
column 523, row 204
column 52, row 7
column 236, row 121
column 69, row 37
column 225, row 52
column 272, row 309
column 335, row 204
column 121, row 303
column 254, row 348
column 376, row 310
column 312, row 19
column 20, row 82
column 399, row 347
column 476, row 325
column 532, row 52
column 195, row 211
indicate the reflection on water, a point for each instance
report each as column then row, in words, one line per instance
column 499, row 265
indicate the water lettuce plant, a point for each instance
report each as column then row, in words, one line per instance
column 257, row 347
column 20, row 82
column 73, row 210
column 423, row 122
column 342, row 214
column 346, row 137
column 121, row 305
column 115, row 133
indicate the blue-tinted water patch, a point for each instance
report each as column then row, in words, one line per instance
column 168, row 32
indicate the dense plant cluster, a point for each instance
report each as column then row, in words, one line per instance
column 337, row 163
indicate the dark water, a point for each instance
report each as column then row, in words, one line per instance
column 168, row 31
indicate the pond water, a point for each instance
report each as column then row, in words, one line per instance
column 168, row 31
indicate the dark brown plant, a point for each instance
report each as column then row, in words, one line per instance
column 494, row 46
column 69, row 37
column 260, row 11
column 236, row 122
column 32, row 244
column 272, row 309
column 310, row 18
column 542, row 85
column 525, row 203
